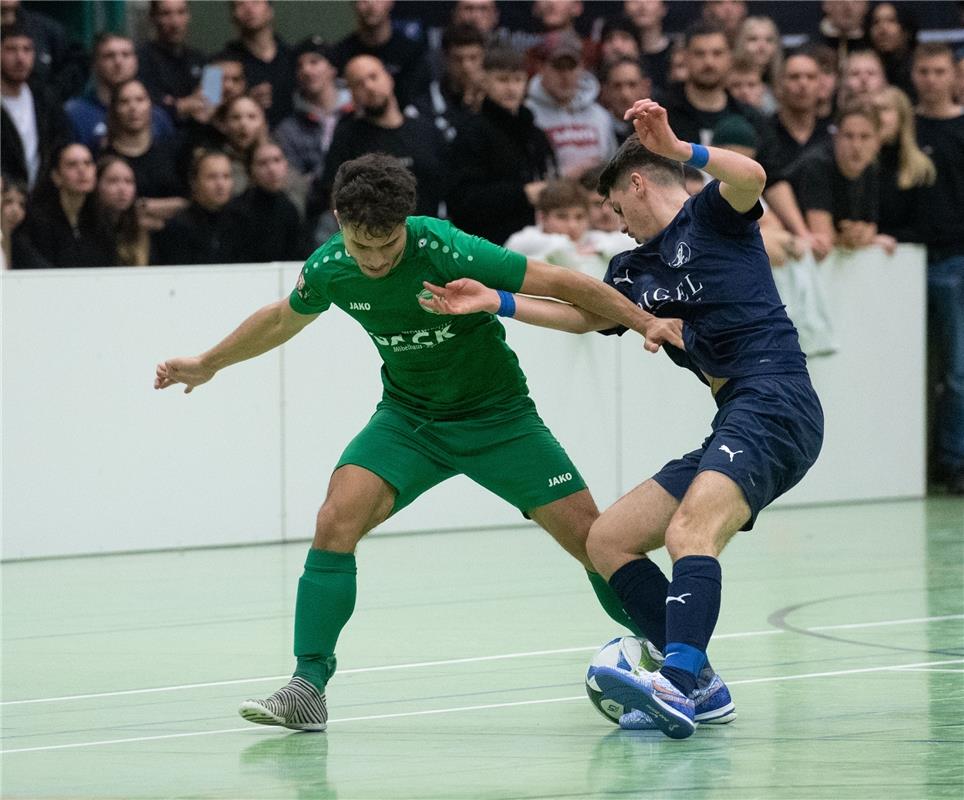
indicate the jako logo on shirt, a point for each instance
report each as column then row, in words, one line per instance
column 681, row 257
column 359, row 306
column 564, row 478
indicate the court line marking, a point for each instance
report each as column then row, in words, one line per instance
column 452, row 661
column 431, row 711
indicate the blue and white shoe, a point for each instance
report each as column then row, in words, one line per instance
column 712, row 700
column 670, row 710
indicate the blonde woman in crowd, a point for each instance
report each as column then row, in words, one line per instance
column 904, row 168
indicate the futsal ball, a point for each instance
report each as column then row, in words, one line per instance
column 630, row 653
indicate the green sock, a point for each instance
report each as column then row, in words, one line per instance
column 326, row 599
column 611, row 604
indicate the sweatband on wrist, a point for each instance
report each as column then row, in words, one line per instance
column 699, row 158
column 506, row 303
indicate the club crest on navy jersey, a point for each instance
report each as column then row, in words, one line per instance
column 681, row 257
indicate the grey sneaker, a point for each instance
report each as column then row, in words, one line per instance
column 299, row 706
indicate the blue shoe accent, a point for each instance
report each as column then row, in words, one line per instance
column 714, row 706
column 637, row 721
column 671, row 711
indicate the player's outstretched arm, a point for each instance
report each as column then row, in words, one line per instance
column 467, row 296
column 601, row 300
column 264, row 330
column 742, row 179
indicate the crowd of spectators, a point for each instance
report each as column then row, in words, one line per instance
column 164, row 155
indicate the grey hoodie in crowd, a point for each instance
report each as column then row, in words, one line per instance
column 581, row 133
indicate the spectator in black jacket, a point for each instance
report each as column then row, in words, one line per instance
column 62, row 222
column 60, row 65
column 17, row 251
column 205, row 232
column 905, row 170
column 456, row 96
column 380, row 126
column 501, row 160
column 697, row 105
column 33, row 123
column 266, row 214
column 169, row 68
column 268, row 64
column 374, row 35
column 893, row 34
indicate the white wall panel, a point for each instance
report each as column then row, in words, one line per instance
column 95, row 460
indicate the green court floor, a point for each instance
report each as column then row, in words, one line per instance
column 461, row 673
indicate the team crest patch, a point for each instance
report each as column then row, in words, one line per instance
column 303, row 291
column 425, row 294
column 681, row 256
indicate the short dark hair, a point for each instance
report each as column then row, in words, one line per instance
column 503, row 59
column 103, row 38
column 461, row 35
column 608, row 66
column 633, row 156
column 703, row 27
column 375, row 192
column 618, row 25
column 17, row 29
column 562, row 193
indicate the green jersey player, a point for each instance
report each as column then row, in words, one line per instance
column 455, row 400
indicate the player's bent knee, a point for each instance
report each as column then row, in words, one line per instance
column 337, row 529
column 684, row 538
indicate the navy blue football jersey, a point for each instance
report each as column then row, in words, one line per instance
column 708, row 267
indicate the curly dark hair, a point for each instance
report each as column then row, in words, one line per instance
column 375, row 192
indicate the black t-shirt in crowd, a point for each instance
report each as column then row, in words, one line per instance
column 417, row 143
column 900, row 209
column 820, row 185
column 169, row 73
column 691, row 124
column 404, row 59
column 943, row 141
column 157, row 170
column 280, row 73
column 779, row 150
column 272, row 229
column 198, row 236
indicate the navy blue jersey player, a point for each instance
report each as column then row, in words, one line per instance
column 702, row 262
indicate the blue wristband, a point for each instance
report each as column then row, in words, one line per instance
column 506, row 304
column 699, row 158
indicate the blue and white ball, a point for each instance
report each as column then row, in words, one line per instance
column 630, row 653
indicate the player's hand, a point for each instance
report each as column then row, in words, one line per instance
column 652, row 126
column 189, row 371
column 663, row 331
column 462, row 296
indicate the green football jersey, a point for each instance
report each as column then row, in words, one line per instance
column 441, row 366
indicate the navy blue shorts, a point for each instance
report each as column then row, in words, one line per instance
column 767, row 433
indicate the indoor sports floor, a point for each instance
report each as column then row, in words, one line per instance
column 841, row 638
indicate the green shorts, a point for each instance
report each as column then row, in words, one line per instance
column 507, row 449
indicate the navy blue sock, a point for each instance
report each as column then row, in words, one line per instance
column 692, row 608
column 641, row 587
